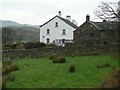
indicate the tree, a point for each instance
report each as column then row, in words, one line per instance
column 109, row 11
column 8, row 35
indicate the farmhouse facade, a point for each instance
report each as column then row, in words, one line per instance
column 57, row 30
column 96, row 33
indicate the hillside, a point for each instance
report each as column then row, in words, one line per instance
column 6, row 23
column 26, row 33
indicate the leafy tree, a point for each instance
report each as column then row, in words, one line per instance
column 8, row 35
column 109, row 11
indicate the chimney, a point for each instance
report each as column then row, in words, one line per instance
column 68, row 17
column 59, row 13
column 87, row 18
column 74, row 22
column 104, row 20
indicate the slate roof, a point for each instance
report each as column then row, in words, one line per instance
column 65, row 20
column 107, row 25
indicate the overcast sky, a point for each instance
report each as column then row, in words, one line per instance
column 37, row 12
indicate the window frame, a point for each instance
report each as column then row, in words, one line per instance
column 48, row 40
column 48, row 31
column 56, row 24
column 63, row 31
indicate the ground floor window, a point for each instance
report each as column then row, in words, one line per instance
column 63, row 32
column 48, row 40
column 63, row 40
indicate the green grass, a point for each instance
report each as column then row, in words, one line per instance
column 42, row 73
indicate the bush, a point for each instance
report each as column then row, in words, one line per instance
column 42, row 44
column 51, row 45
column 5, row 78
column 106, row 64
column 14, row 67
column 59, row 59
column 4, row 82
column 103, row 65
column 6, row 63
column 72, row 68
column 111, row 79
column 52, row 56
column 8, row 67
column 38, row 44
column 29, row 45
column 4, row 71
column 12, row 77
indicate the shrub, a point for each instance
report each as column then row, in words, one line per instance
column 4, row 82
column 59, row 59
column 98, row 66
column 29, row 45
column 95, row 53
column 12, row 77
column 51, row 45
column 5, row 78
column 111, row 79
column 14, row 67
column 4, row 71
column 6, row 47
column 42, row 44
column 13, row 46
column 103, row 65
column 72, row 68
column 106, row 64
column 8, row 69
column 6, row 63
column 52, row 56
column 38, row 44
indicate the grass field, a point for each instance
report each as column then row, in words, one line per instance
column 42, row 73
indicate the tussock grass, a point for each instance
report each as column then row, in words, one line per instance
column 42, row 73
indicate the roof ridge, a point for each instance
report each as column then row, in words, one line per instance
column 65, row 20
column 94, row 24
column 68, row 22
column 106, row 25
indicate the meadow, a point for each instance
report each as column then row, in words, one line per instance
column 43, row 73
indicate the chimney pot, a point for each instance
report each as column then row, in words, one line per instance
column 59, row 13
column 68, row 17
column 87, row 18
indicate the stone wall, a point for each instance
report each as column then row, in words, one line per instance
column 69, row 50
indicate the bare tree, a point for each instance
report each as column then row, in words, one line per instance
column 8, row 35
column 109, row 11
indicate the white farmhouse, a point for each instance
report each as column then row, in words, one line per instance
column 57, row 30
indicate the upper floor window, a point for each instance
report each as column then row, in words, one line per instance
column 63, row 32
column 56, row 24
column 48, row 31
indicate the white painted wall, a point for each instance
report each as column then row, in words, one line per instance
column 56, row 33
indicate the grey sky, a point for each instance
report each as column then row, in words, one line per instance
column 39, row 11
